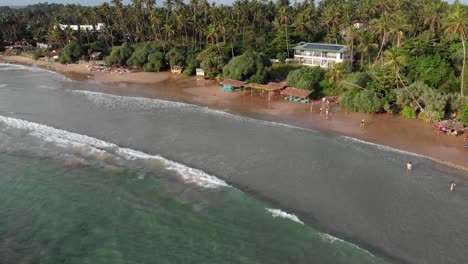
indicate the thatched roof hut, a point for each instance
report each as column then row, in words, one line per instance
column 233, row 83
column 298, row 93
column 264, row 87
column 279, row 85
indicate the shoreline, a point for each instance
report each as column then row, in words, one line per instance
column 381, row 129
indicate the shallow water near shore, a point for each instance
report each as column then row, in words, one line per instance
column 152, row 179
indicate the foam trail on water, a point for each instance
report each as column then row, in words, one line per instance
column 128, row 102
column 332, row 239
column 382, row 147
column 63, row 138
column 278, row 213
column 3, row 85
column 189, row 175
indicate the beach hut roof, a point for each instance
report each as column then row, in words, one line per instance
column 299, row 93
column 279, row 85
column 264, row 87
column 233, row 83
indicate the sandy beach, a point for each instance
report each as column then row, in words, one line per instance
column 414, row 136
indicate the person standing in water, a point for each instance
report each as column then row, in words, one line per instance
column 409, row 167
column 452, row 186
column 363, row 123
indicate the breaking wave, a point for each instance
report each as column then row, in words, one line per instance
column 278, row 213
column 66, row 139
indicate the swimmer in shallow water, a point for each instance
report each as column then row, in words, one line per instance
column 452, row 186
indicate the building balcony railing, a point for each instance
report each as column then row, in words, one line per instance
column 315, row 55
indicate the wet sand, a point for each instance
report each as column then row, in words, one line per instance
column 414, row 136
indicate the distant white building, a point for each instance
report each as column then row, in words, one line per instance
column 320, row 54
column 99, row 27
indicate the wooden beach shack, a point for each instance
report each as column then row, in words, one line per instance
column 230, row 85
column 269, row 88
column 296, row 95
column 177, row 69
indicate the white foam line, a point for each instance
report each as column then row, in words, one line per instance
column 189, row 175
column 3, row 85
column 383, row 147
column 23, row 67
column 278, row 213
column 63, row 138
column 332, row 239
column 149, row 103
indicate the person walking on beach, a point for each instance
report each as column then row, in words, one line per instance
column 452, row 186
column 363, row 123
column 409, row 167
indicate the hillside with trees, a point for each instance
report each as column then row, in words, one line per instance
column 409, row 57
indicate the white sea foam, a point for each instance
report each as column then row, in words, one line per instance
column 278, row 213
column 3, row 85
column 127, row 102
column 382, row 147
column 18, row 67
column 332, row 239
column 66, row 139
column 189, row 175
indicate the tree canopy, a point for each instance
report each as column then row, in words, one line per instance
column 250, row 66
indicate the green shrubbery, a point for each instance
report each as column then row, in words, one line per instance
column 70, row 53
column 408, row 112
column 38, row 53
column 363, row 101
column 464, row 114
column 307, row 78
column 250, row 66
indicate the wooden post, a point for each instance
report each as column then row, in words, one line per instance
column 311, row 105
column 269, row 95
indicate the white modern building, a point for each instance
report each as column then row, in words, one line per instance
column 320, row 54
column 98, row 27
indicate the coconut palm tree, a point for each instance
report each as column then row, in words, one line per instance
column 366, row 45
column 456, row 23
column 381, row 27
column 393, row 59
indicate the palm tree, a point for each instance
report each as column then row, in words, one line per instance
column 381, row 27
column 336, row 74
column 366, row 45
column 399, row 26
column 284, row 18
column 456, row 23
column 394, row 59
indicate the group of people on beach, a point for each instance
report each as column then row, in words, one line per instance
column 409, row 168
column 326, row 105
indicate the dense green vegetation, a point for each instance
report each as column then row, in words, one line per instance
column 407, row 55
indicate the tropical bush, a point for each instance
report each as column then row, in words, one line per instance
column 176, row 57
column 282, row 56
column 192, row 64
column 70, row 53
column 38, row 53
column 408, row 112
column 155, row 62
column 307, row 78
column 363, row 101
column 250, row 66
column 464, row 114
column 119, row 55
column 140, row 56
column 213, row 59
column 432, row 102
